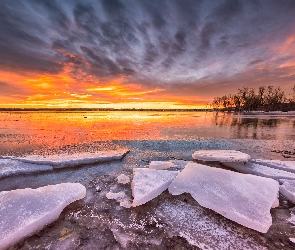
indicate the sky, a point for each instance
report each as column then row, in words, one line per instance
column 142, row 53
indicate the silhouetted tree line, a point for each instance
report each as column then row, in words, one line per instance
column 248, row 99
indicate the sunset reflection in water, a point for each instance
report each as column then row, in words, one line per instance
column 19, row 129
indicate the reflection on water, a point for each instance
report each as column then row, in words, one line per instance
column 64, row 128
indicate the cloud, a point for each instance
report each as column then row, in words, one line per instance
column 181, row 47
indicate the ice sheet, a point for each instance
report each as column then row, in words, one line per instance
column 71, row 160
column 149, row 183
column 221, row 155
column 25, row 211
column 245, row 199
column 260, row 170
column 10, row 167
column 288, row 190
column 282, row 165
column 203, row 228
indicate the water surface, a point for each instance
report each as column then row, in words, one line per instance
column 55, row 129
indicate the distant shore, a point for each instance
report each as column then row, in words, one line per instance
column 102, row 109
column 139, row 110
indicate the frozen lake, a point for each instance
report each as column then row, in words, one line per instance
column 150, row 136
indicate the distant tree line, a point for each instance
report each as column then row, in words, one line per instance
column 248, row 99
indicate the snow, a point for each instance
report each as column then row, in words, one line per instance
column 221, row 155
column 123, row 179
column 25, row 211
column 245, row 199
column 288, row 190
column 260, row 170
column 149, row 183
column 71, row 160
column 282, row 165
column 160, row 165
column 203, row 228
column 10, row 167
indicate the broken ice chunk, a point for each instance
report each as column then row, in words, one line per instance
column 123, row 179
column 160, row 165
column 288, row 190
column 71, row 160
column 204, row 228
column 260, row 170
column 282, row 165
column 149, row 183
column 245, row 199
column 10, row 167
column 116, row 196
column 221, row 155
column 125, row 203
column 25, row 211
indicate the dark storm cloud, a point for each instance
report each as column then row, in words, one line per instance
column 169, row 44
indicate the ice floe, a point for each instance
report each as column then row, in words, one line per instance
column 160, row 165
column 203, row 228
column 221, row 155
column 149, row 183
column 10, row 167
column 25, row 211
column 245, row 199
column 123, row 179
column 71, row 160
column 282, row 165
column 260, row 170
column 288, row 190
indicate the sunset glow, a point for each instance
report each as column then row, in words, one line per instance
column 141, row 54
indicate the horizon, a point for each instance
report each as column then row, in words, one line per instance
column 113, row 54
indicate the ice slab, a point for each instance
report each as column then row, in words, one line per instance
column 160, row 165
column 260, row 170
column 71, row 160
column 203, row 228
column 221, row 155
column 245, row 199
column 149, row 183
column 282, row 165
column 123, row 179
column 288, row 190
column 10, row 167
column 25, row 211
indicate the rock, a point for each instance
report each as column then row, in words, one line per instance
column 221, row 155
column 25, row 211
column 288, row 190
column 123, row 179
column 10, row 167
column 260, row 170
column 71, row 160
column 149, row 183
column 282, row 165
column 245, row 199
column 160, row 165
column 204, row 228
